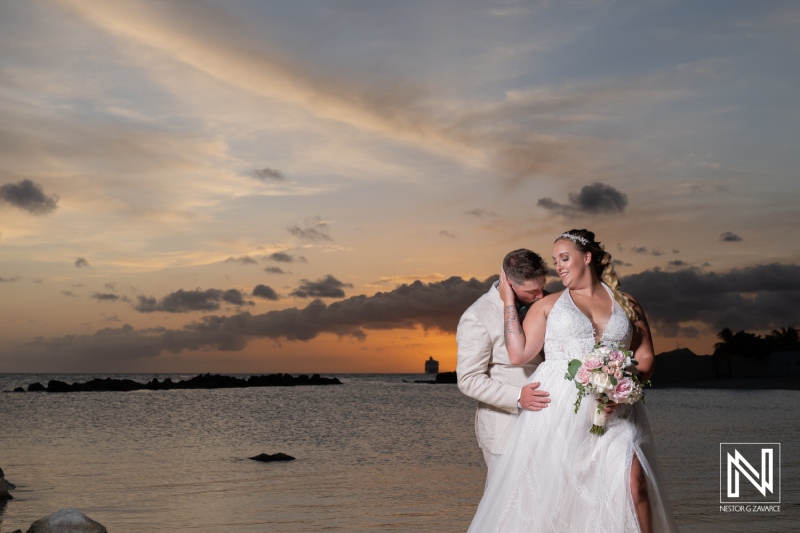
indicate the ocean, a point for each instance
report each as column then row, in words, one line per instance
column 375, row 454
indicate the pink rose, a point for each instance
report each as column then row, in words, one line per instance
column 616, row 355
column 583, row 375
column 593, row 363
column 622, row 391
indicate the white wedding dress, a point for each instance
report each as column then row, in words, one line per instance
column 556, row 476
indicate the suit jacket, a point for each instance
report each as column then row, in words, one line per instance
column 484, row 370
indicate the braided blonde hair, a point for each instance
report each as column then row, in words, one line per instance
column 602, row 265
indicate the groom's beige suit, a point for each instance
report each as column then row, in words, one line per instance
column 486, row 374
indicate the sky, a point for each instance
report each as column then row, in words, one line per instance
column 325, row 186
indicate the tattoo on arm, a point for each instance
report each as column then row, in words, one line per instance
column 510, row 317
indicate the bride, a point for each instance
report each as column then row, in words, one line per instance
column 555, row 475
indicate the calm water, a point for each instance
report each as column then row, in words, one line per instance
column 374, row 454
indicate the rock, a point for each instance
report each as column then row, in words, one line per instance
column 202, row 381
column 19, row 389
column 67, row 521
column 55, row 385
column 5, row 486
column 446, row 377
column 266, row 458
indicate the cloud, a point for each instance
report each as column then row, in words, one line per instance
column 29, row 196
column 70, row 294
column 432, row 306
column 682, row 302
column 480, row 213
column 266, row 292
column 530, row 131
column 275, row 270
column 81, row 262
column 620, row 263
column 12, row 279
column 678, row 263
column 327, row 287
column 447, row 234
column 268, row 174
column 182, row 301
column 110, row 286
column 756, row 298
column 107, row 297
column 245, row 260
column 594, row 199
column 316, row 231
column 729, row 237
column 644, row 250
column 283, row 257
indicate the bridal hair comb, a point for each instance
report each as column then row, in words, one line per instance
column 574, row 238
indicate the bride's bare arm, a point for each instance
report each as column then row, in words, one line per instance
column 523, row 341
column 642, row 342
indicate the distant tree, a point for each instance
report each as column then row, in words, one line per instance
column 784, row 340
column 742, row 343
column 725, row 337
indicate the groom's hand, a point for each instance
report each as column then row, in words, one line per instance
column 533, row 399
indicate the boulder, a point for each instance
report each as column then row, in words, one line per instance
column 36, row 387
column 67, row 521
column 5, row 486
column 267, row 458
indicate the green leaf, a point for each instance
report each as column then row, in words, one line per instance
column 573, row 367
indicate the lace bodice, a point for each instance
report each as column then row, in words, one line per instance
column 570, row 334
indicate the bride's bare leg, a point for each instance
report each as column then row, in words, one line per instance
column 640, row 497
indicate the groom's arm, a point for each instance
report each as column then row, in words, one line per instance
column 474, row 353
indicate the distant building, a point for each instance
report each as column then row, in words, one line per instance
column 431, row 366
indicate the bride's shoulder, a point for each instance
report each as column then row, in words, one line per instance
column 549, row 301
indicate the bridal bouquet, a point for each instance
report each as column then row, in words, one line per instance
column 609, row 371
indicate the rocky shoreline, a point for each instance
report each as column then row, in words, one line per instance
column 201, row 381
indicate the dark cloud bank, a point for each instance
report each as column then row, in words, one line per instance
column 756, row 298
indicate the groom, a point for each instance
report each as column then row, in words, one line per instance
column 484, row 370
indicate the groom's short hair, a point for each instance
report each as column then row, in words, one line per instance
column 523, row 265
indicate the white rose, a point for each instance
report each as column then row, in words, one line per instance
column 601, row 381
